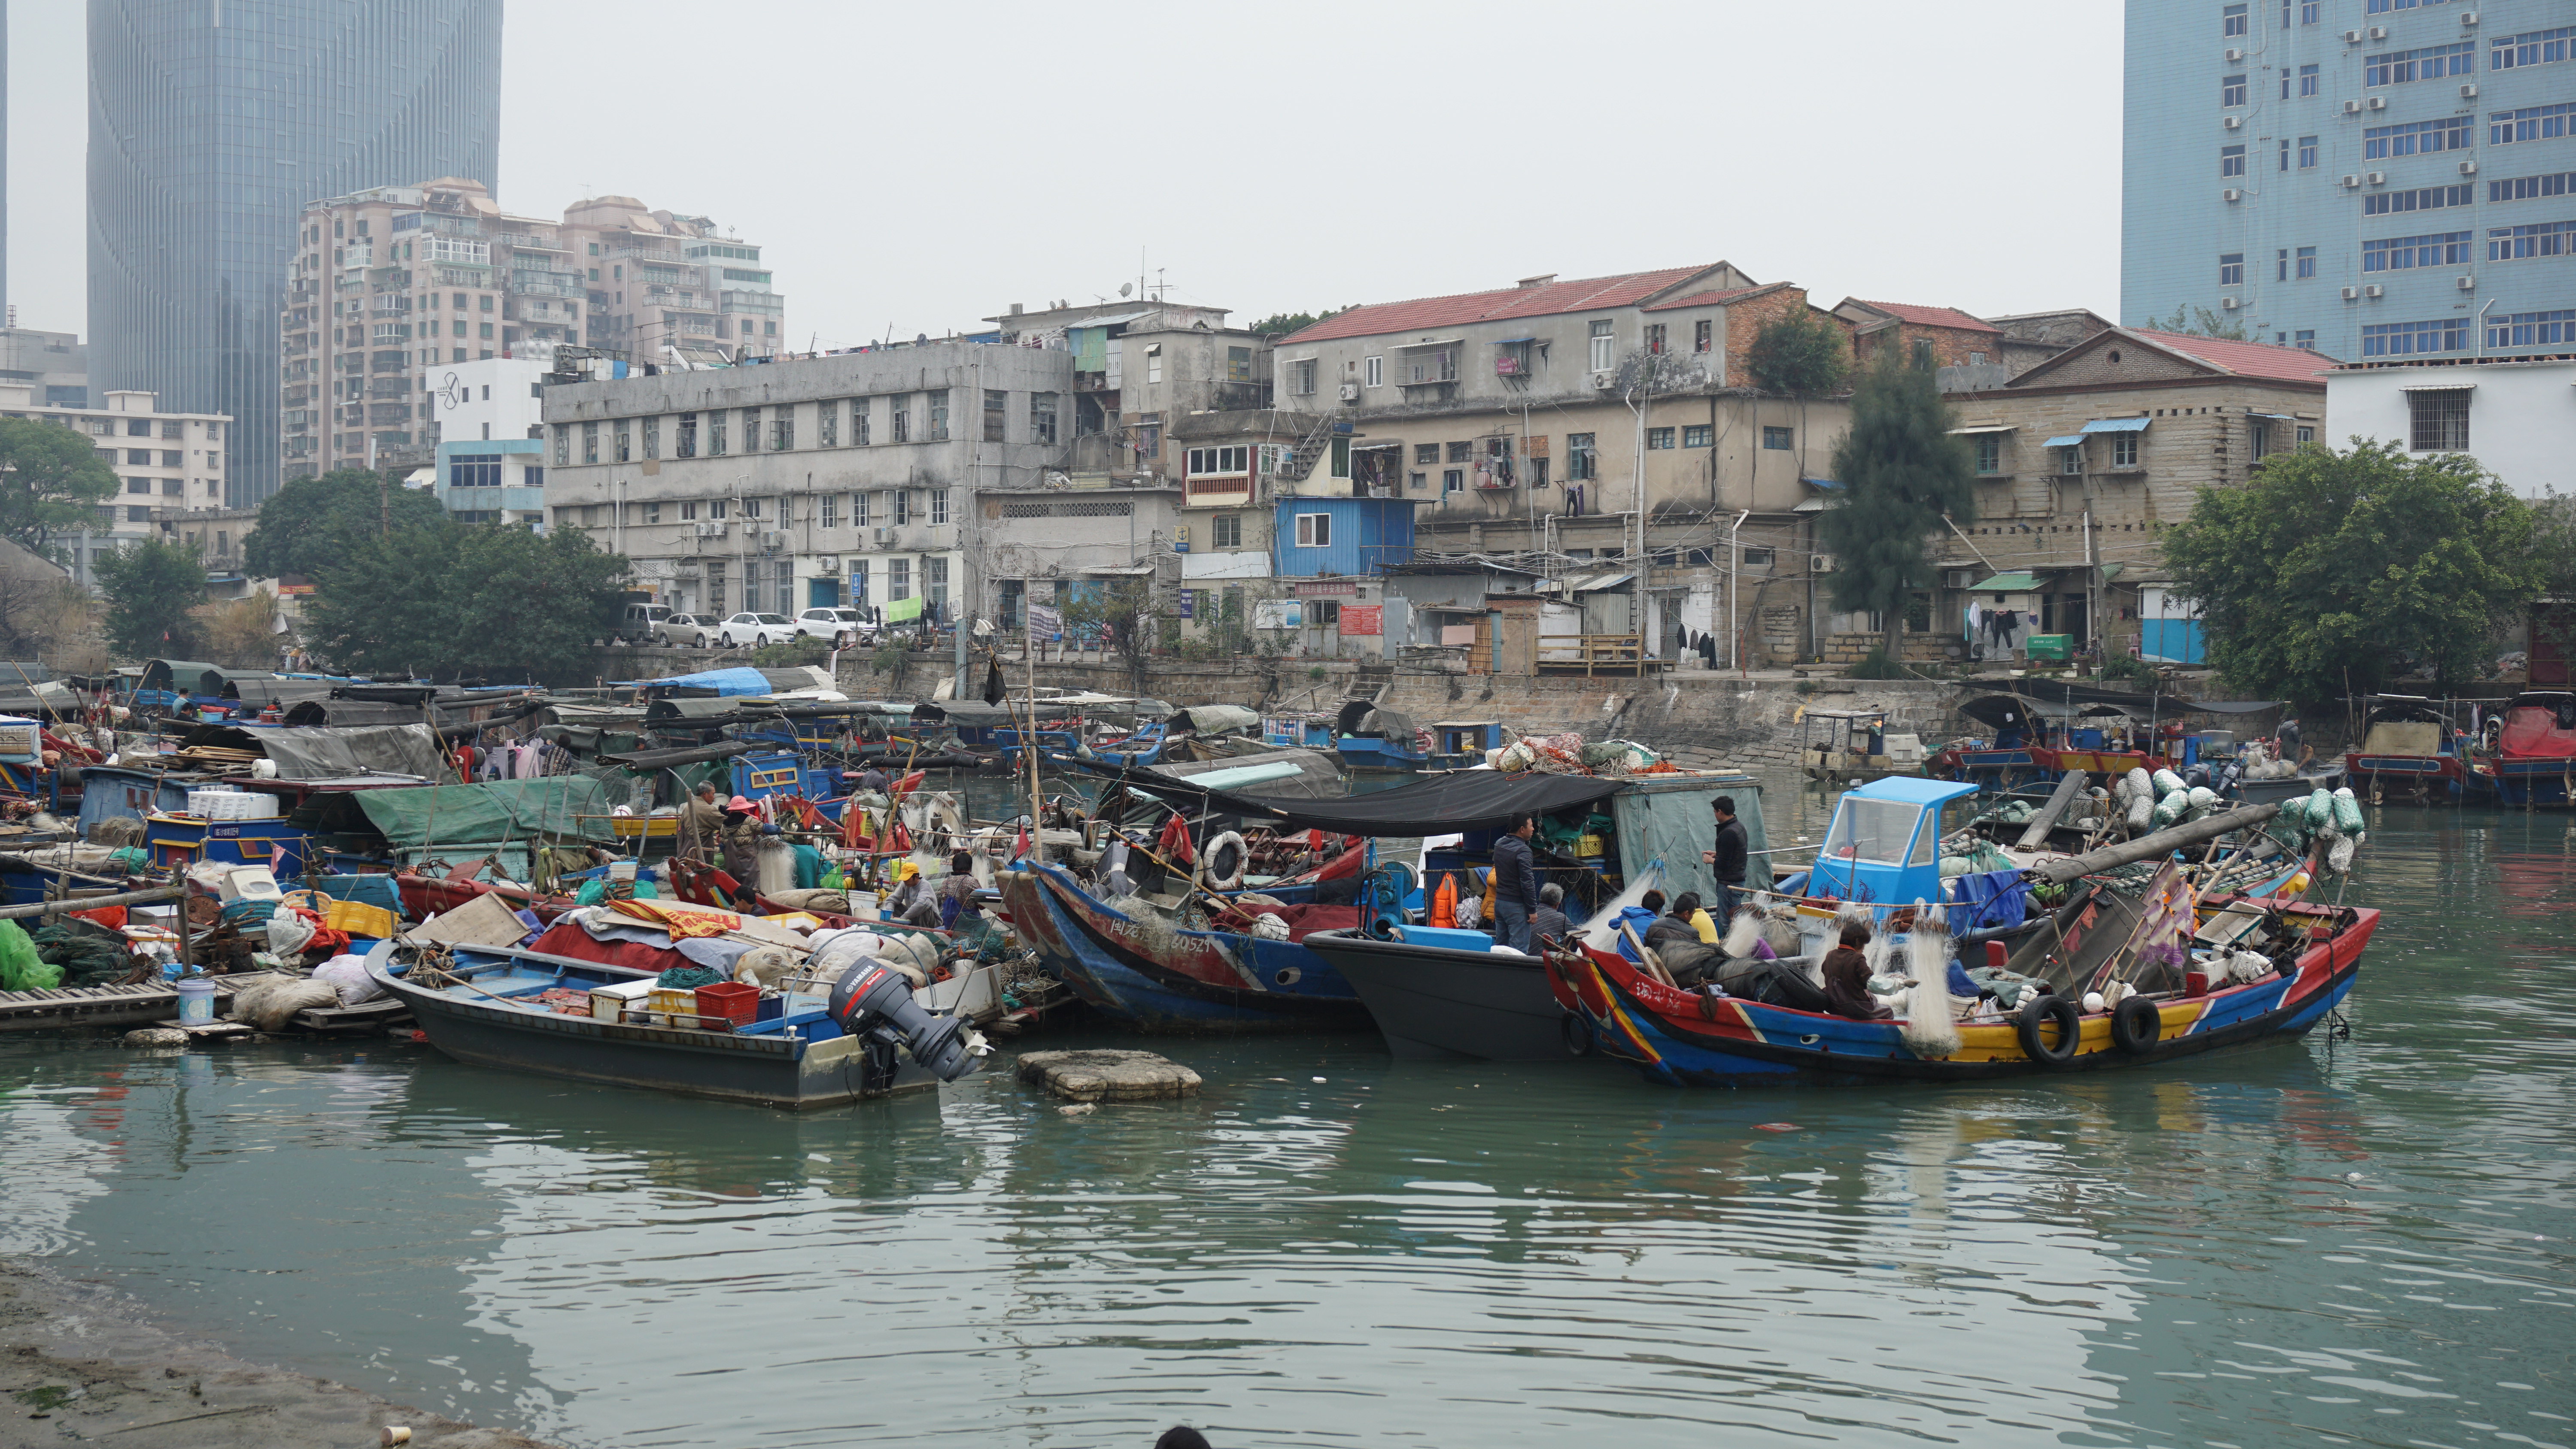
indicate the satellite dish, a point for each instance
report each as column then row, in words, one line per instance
column 1126, row 287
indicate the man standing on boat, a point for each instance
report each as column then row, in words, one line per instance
column 699, row 822
column 1726, row 862
column 1515, row 884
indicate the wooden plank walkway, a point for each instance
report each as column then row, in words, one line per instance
column 93, row 1006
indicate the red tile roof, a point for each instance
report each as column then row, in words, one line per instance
column 2245, row 359
column 1424, row 314
column 1709, row 299
column 1930, row 316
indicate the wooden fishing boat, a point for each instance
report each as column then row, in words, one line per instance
column 1682, row 1038
column 2410, row 746
column 1445, row 995
column 2534, row 763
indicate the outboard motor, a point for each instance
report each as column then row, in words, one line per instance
column 872, row 1001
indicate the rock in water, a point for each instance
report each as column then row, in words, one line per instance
column 157, row 1036
column 1108, row 1076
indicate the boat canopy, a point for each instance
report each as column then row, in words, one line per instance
column 464, row 820
column 1214, row 719
column 1433, row 805
column 723, row 683
column 1885, row 840
column 334, row 754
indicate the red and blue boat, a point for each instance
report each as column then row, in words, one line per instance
column 2534, row 763
column 2410, row 746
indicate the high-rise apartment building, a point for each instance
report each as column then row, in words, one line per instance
column 212, row 125
column 391, row 286
column 2371, row 178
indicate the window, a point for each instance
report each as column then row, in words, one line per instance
column 859, row 509
column 1373, row 372
column 1698, row 435
column 2525, row 188
column 1205, row 462
column 1426, row 452
column 2426, row 198
column 2306, row 435
column 831, row 511
column 685, row 443
column 2306, row 264
column 1453, row 480
column 2309, row 80
column 934, row 580
column 2231, row 161
column 2397, row 254
column 653, row 437
column 2070, row 460
column 2232, row 21
column 590, row 442
column 139, row 457
column 2124, row 450
column 859, row 422
column 2431, row 62
column 2262, row 433
column 2285, row 70
column 996, row 413
column 1658, row 439
column 718, row 508
column 170, row 458
column 1461, row 452
column 1225, row 531
column 937, row 400
column 688, row 510
column 898, row 579
column 2450, row 133
column 902, row 507
column 1704, row 334
column 1580, row 457
column 827, row 425
column 750, row 509
column 751, row 430
column 2281, row 265
column 2310, row 11
column 938, row 506
column 622, row 446
column 2533, row 329
column 1427, row 364
column 1314, row 530
column 2305, row 339
column 2231, row 269
column 1654, row 339
column 1990, row 453
column 1602, row 344
column 2538, row 47
column 2438, row 421
column 1238, row 364
column 2285, row 153
column 2231, row 90
column 2404, row 339
column 1779, row 440
column 1301, row 377
column 715, row 432
column 1042, row 417
column 899, row 426
column 2544, row 239
column 138, row 485
column 652, row 513
column 782, row 429
column 1154, row 363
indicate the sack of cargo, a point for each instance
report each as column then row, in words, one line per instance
column 2167, row 782
column 2347, row 811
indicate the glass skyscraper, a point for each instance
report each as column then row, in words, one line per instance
column 212, row 124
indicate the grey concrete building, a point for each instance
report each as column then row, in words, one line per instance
column 53, row 365
column 864, row 478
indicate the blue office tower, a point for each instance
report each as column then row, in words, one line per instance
column 211, row 124
column 2374, row 178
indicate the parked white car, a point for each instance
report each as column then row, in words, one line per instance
column 692, row 631
column 842, row 627
column 750, row 631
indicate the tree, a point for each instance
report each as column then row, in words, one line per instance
column 1285, row 322
column 312, row 523
column 241, row 633
column 2332, row 572
column 51, row 482
column 1120, row 611
column 1798, row 354
column 2199, row 322
column 458, row 603
column 1902, row 472
column 151, row 586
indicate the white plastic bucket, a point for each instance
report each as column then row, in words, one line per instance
column 196, row 1001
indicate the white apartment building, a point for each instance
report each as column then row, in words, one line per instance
column 162, row 460
column 851, row 478
column 2515, row 415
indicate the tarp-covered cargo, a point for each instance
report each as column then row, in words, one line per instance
column 455, row 818
column 335, row 754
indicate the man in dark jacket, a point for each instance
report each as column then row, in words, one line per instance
column 1726, row 862
column 1847, row 977
column 1515, row 884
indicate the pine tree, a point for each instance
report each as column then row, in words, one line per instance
column 1902, row 472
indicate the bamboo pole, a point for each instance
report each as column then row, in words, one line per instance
column 2147, row 847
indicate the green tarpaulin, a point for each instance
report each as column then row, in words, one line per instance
column 463, row 816
column 902, row 609
column 1670, row 820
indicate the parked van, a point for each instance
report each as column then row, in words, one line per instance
column 642, row 622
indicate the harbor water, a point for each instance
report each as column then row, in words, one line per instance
column 2362, row 1240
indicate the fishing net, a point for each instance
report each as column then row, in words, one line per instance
column 86, row 960
column 21, row 969
column 688, row 978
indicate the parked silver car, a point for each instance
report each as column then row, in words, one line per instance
column 689, row 631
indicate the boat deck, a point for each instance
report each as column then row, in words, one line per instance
column 94, row 1006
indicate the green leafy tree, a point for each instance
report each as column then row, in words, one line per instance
column 2332, row 572
column 1798, row 354
column 51, row 482
column 1902, row 473
column 456, row 603
column 1285, row 322
column 313, row 523
column 2193, row 321
column 151, row 589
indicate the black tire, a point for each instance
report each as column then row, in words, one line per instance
column 1575, row 1034
column 2135, row 1025
column 2070, row 1028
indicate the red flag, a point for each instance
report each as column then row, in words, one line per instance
column 1023, row 847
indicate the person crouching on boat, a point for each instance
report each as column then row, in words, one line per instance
column 1638, row 922
column 907, row 893
column 957, row 890
column 1548, row 922
column 1847, row 977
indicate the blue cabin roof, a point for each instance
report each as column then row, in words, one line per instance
column 1914, row 790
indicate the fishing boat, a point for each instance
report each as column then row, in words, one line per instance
column 1448, row 995
column 2533, row 762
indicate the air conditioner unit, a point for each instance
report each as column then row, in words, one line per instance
column 2378, row 103
column 2468, row 284
column 1605, row 380
column 2235, row 54
column 2374, row 290
column 1350, row 392
column 711, row 530
column 2351, row 294
column 2379, row 32
column 2231, row 303
column 827, row 564
column 2352, row 108
column 1960, row 578
column 1824, row 563
column 2235, row 123
column 769, row 542
column 883, row 537
column 2352, row 37
column 2352, row 181
column 2468, row 93
column 2231, row 194
column 2468, row 168
column 2468, row 17
column 2378, row 178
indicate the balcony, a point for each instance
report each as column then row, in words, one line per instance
column 763, row 304
column 530, row 242
column 388, row 414
column 448, row 274
column 650, row 254
column 548, row 284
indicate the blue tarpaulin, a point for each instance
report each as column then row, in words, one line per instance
column 1989, row 899
column 725, row 682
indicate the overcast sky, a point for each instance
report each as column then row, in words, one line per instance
column 917, row 167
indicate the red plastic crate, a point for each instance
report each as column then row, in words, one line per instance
column 729, row 1001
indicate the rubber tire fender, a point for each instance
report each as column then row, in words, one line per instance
column 2070, row 1027
column 1575, row 1033
column 2135, row 1025
column 1213, row 868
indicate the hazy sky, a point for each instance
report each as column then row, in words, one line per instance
column 922, row 166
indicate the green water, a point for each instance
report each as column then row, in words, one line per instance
column 2364, row 1241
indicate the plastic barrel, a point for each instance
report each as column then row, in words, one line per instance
column 196, row 1001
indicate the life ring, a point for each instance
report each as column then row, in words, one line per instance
column 1575, row 1034
column 2135, row 1025
column 2070, row 1027
column 1221, row 871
